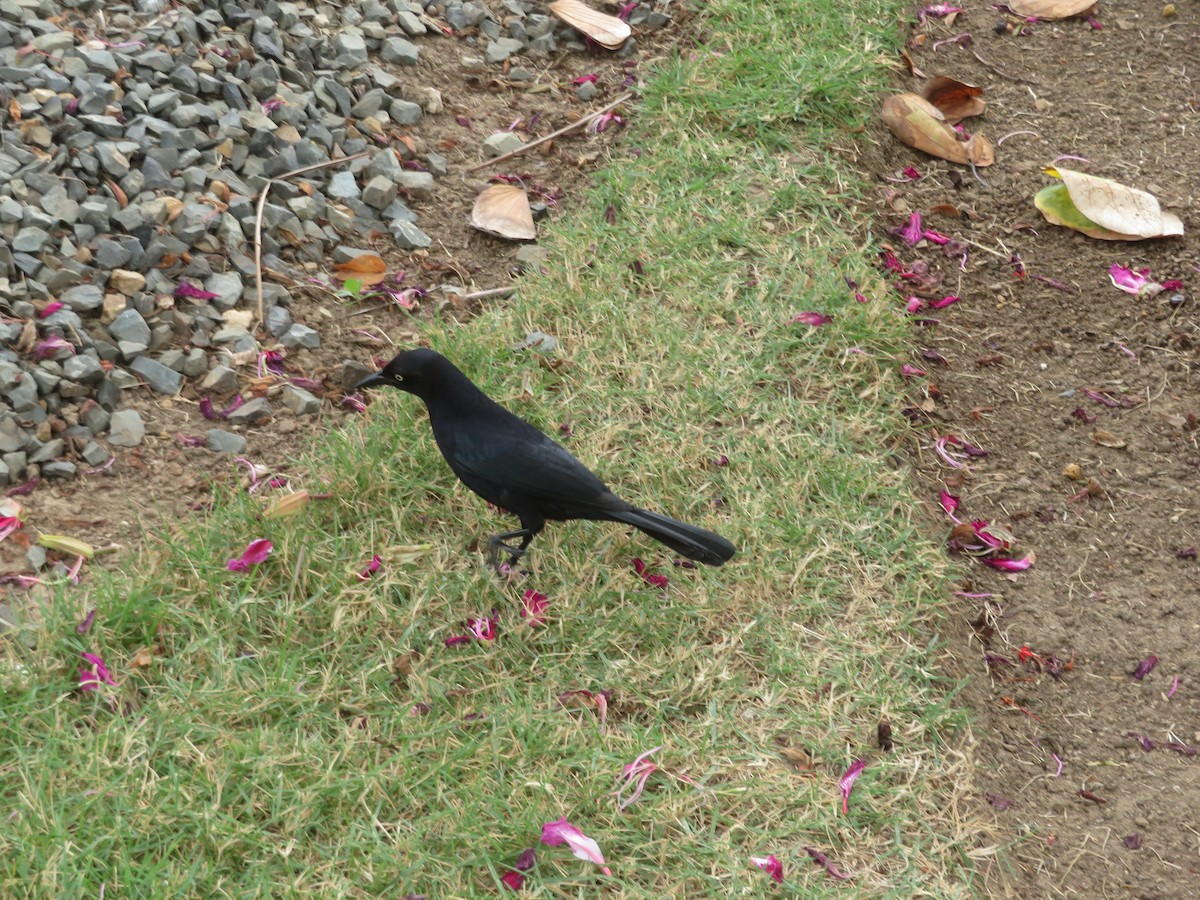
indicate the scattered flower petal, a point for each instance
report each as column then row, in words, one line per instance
column 1174, row 687
column 1145, row 667
column 50, row 309
column 1135, row 282
column 949, row 502
column 256, row 552
column 846, row 783
column 371, row 568
column 526, row 860
column 187, row 290
column 659, row 581
column 484, row 627
column 815, row 319
column 1008, row 565
column 513, row 880
column 86, row 623
column 1145, row 742
column 998, row 801
column 94, row 674
column 51, row 346
column 912, row 232
column 582, row 846
column 1133, row 841
column 948, row 300
column 770, row 865
column 823, row 861
column 533, row 606
column 908, row 370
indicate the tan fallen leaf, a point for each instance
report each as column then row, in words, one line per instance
column 607, row 31
column 1107, row 439
column 368, row 268
column 956, row 99
column 1051, row 9
column 503, row 210
column 918, row 123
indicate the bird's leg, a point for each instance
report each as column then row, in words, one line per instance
column 497, row 543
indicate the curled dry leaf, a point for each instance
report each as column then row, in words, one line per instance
column 503, row 210
column 368, row 268
column 1104, row 209
column 956, row 99
column 1051, row 9
column 918, row 123
column 607, row 31
column 1107, row 439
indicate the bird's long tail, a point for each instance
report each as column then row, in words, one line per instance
column 688, row 540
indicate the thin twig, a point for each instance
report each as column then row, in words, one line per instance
column 490, row 292
column 258, row 217
column 552, row 135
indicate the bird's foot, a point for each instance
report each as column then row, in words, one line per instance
column 508, row 569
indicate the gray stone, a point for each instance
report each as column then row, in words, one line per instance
column 12, row 437
column 94, row 417
column 278, row 320
column 158, row 376
column 195, row 363
column 400, row 52
column 93, row 454
column 220, row 380
column 84, row 368
column 379, row 192
column 82, row 298
column 16, row 464
column 405, row 113
column 500, row 50
column 251, row 413
column 126, row 428
column 59, row 468
column 225, row 441
column 30, row 239
column 408, row 236
column 351, row 49
column 300, row 401
column 502, row 142
column 301, row 336
column 50, row 450
column 342, row 186
column 130, row 326
column 228, row 286
column 23, row 395
column 416, row 184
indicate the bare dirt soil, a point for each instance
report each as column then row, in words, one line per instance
column 1085, row 399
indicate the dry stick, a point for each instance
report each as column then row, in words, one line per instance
column 552, row 135
column 476, row 295
column 258, row 217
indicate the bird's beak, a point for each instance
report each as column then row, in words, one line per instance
column 371, row 381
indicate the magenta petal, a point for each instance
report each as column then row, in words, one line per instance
column 815, row 319
column 846, row 783
column 770, row 865
column 949, row 502
column 95, row 674
column 660, row 581
column 457, row 639
column 533, row 606
column 914, row 304
column 1131, row 281
column 1008, row 565
column 910, row 371
column 256, row 552
column 912, row 232
column 187, row 290
column 582, row 846
column 51, row 308
column 945, row 301
column 371, row 569
column 84, row 626
column 525, row 861
column 1145, row 667
column 513, row 880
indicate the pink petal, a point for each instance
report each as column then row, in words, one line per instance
column 770, row 865
column 582, row 846
column 914, row 304
column 910, row 371
column 660, row 581
column 846, row 784
column 949, row 502
column 188, row 290
column 1008, row 565
column 1137, row 283
column 95, row 674
column 912, row 232
column 513, row 880
column 256, row 552
column 935, row 237
column 533, row 605
column 51, row 308
column 371, row 569
column 815, row 319
column 457, row 639
column 945, row 301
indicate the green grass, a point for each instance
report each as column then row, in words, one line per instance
column 269, row 750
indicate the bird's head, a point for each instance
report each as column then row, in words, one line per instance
column 411, row 371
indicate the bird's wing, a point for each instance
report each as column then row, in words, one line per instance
column 508, row 465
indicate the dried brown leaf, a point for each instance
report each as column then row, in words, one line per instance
column 503, row 210
column 607, row 31
column 918, row 123
column 956, row 99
